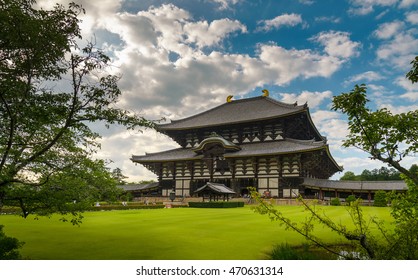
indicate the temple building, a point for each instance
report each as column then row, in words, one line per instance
column 259, row 142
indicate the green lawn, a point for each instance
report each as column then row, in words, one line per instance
column 178, row 233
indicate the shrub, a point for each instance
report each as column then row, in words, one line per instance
column 285, row 252
column 301, row 252
column 351, row 198
column 380, row 199
column 9, row 246
column 220, row 204
column 10, row 210
column 335, row 201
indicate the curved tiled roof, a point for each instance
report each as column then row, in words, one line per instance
column 356, row 185
column 253, row 149
column 276, row 147
column 217, row 188
column 170, row 155
column 236, row 111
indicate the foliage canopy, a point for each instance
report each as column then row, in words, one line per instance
column 388, row 138
column 381, row 174
column 9, row 246
column 385, row 136
column 50, row 91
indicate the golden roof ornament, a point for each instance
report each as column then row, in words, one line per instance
column 229, row 98
column 265, row 92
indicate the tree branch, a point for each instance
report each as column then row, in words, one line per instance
column 11, row 133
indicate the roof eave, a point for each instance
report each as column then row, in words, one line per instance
column 164, row 128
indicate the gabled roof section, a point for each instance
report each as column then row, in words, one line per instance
column 215, row 139
column 216, row 188
column 236, row 111
column 170, row 155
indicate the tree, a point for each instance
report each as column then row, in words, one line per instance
column 380, row 199
column 118, row 176
column 349, row 176
column 359, row 237
column 50, row 91
column 388, row 138
column 385, row 136
column 382, row 174
column 414, row 169
column 404, row 208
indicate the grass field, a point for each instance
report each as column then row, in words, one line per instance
column 165, row 234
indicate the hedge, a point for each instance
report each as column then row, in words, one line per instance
column 16, row 210
column 220, row 204
column 335, row 201
column 121, row 207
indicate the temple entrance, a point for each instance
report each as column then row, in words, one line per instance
column 241, row 186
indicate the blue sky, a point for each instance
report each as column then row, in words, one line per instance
column 178, row 58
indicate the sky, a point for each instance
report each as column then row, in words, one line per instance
column 180, row 57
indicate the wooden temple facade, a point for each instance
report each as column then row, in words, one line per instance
column 258, row 142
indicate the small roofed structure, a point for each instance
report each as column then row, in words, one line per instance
column 214, row 191
column 139, row 190
column 323, row 189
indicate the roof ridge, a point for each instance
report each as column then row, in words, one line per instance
column 287, row 105
column 161, row 152
column 305, row 141
column 198, row 114
column 243, row 100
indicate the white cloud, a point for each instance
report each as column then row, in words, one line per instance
column 331, row 125
column 399, row 51
column 307, row 2
column 406, row 84
column 389, row 29
column 335, row 130
column 364, row 7
column 397, row 109
column 357, row 164
column 204, row 34
column 399, row 44
column 382, row 14
column 332, row 19
column 368, row 76
column 411, row 95
column 280, row 21
column 121, row 146
column 379, row 92
column 314, row 99
column 412, row 17
column 408, row 3
column 200, row 77
column 97, row 12
column 225, row 4
column 338, row 44
column 361, row 160
column 411, row 89
column 286, row 65
column 321, row 116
